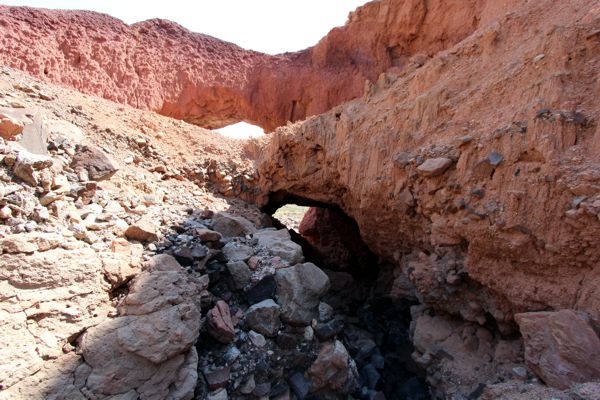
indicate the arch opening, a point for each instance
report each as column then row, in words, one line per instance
column 374, row 326
column 241, row 130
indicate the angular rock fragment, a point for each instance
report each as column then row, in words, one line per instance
column 237, row 252
column 98, row 165
column 299, row 289
column 219, row 323
column 10, row 127
column 263, row 317
column 434, row 166
column 561, row 347
column 143, row 230
column 240, row 273
column 333, row 370
column 230, row 225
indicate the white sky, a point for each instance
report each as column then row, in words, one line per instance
column 269, row 26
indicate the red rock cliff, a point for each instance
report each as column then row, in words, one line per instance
column 161, row 66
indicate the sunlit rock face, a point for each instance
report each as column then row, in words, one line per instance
column 161, row 66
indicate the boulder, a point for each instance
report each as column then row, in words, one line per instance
column 299, row 289
column 263, row 317
column 333, row 370
column 279, row 243
column 230, row 225
column 561, row 347
column 149, row 348
column 98, row 165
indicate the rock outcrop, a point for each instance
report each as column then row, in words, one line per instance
column 475, row 172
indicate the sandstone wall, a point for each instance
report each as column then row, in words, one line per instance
column 477, row 172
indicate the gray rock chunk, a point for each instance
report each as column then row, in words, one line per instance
column 279, row 243
column 263, row 317
column 240, row 273
column 99, row 165
column 237, row 252
column 299, row 289
column 231, row 225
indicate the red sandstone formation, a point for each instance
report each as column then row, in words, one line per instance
column 480, row 162
column 161, row 66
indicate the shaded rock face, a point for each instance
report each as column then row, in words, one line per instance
column 335, row 240
column 100, row 55
column 561, row 347
column 458, row 183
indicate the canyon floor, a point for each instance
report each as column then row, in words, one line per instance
column 420, row 222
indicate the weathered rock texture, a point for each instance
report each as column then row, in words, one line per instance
column 511, row 224
column 161, row 66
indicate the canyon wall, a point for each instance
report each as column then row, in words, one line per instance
column 476, row 167
column 161, row 66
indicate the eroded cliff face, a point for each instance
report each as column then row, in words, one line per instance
column 161, row 66
column 475, row 171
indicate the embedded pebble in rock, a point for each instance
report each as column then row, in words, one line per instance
column 299, row 290
column 219, row 324
column 263, row 317
column 434, row 166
